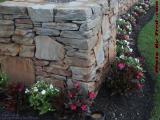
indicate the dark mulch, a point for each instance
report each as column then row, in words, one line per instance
column 117, row 107
column 132, row 106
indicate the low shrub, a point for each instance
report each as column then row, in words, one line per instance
column 40, row 96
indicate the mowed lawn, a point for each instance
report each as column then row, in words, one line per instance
column 2, row 0
column 146, row 47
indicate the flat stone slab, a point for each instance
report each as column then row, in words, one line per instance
column 48, row 49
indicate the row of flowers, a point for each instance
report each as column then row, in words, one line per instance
column 44, row 97
column 127, row 72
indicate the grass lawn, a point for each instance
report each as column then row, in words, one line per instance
column 146, row 47
column 2, row 0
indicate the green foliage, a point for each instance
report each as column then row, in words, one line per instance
column 41, row 96
column 3, row 80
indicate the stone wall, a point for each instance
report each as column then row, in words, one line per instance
column 59, row 42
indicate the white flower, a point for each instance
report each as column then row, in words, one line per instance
column 137, row 60
column 130, row 50
column 122, row 56
column 129, row 15
column 26, row 91
column 129, row 32
column 140, row 7
column 120, row 19
column 140, row 68
column 35, row 89
column 126, row 42
column 128, row 26
column 122, row 47
column 51, row 86
column 56, row 90
column 43, row 92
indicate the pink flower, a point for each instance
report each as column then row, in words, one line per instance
column 20, row 87
column 73, row 107
column 121, row 66
column 70, row 95
column 139, row 86
column 84, row 107
column 77, row 85
column 91, row 95
column 139, row 75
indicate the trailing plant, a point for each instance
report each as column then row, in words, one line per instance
column 40, row 96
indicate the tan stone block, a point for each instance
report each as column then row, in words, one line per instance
column 19, row 69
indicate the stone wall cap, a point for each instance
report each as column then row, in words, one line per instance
column 50, row 5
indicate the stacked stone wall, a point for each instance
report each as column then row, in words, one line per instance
column 59, row 43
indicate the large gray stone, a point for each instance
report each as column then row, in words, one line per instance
column 61, row 26
column 27, row 51
column 6, row 28
column 49, row 32
column 23, row 40
column 6, row 33
column 106, row 31
column 90, row 23
column 6, row 23
column 77, row 34
column 13, row 10
column 9, row 49
column 5, row 40
column 85, row 44
column 41, row 13
column 73, row 13
column 84, row 74
column 99, row 52
column 48, row 49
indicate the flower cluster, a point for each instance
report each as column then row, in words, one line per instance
column 40, row 96
column 127, row 72
column 77, row 101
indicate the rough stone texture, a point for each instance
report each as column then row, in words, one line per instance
column 41, row 13
column 73, row 13
column 23, row 40
column 9, row 49
column 61, row 26
column 7, row 28
column 59, row 43
column 48, row 49
column 47, row 32
column 84, row 44
column 27, row 51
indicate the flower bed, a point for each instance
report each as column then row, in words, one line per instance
column 126, row 74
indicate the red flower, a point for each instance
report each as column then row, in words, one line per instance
column 126, row 37
column 20, row 87
column 139, row 75
column 84, row 107
column 121, row 66
column 139, row 86
column 70, row 95
column 91, row 95
column 77, row 85
column 73, row 107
